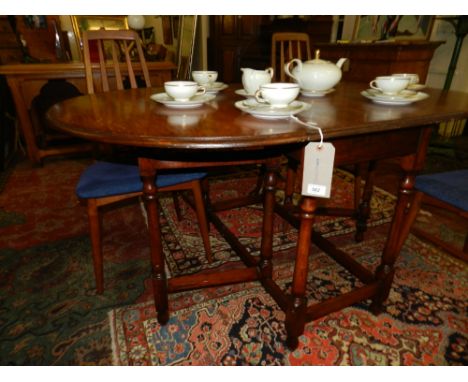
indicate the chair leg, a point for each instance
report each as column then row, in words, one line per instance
column 175, row 199
column 205, row 186
column 94, row 220
column 291, row 172
column 259, row 185
column 357, row 185
column 202, row 220
column 459, row 253
column 363, row 198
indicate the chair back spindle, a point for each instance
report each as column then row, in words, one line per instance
column 284, row 47
column 111, row 46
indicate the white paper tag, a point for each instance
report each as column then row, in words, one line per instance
column 318, row 169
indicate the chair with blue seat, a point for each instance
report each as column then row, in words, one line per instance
column 106, row 183
column 447, row 190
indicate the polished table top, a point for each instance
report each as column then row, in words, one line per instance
column 130, row 117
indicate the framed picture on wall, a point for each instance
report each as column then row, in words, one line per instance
column 386, row 27
column 85, row 23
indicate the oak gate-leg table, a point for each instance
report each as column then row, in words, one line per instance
column 218, row 134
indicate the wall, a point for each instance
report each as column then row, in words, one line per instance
column 445, row 31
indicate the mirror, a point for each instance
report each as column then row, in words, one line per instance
column 186, row 41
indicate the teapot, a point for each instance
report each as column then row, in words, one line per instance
column 315, row 75
column 252, row 79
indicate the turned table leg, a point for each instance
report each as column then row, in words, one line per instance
column 398, row 233
column 401, row 223
column 159, row 280
column 296, row 312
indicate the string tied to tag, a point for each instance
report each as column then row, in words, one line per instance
column 312, row 125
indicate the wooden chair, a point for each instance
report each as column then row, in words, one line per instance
column 284, row 47
column 105, row 183
column 446, row 190
column 109, row 46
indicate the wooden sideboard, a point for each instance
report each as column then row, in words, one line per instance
column 26, row 80
column 368, row 60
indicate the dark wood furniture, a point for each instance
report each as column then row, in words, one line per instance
column 369, row 60
column 360, row 131
column 230, row 38
column 10, row 45
column 243, row 41
column 8, row 134
column 26, row 80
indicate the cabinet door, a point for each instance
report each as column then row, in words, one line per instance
column 230, row 36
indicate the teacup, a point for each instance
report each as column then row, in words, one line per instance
column 413, row 77
column 183, row 90
column 389, row 85
column 277, row 94
column 204, row 77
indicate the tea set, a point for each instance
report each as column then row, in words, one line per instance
column 276, row 100
column 313, row 78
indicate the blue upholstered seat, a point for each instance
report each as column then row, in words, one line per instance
column 450, row 187
column 106, row 179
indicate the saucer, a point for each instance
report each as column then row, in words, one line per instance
column 195, row 101
column 405, row 97
column 416, row 86
column 215, row 87
column 243, row 93
column 259, row 110
column 316, row 93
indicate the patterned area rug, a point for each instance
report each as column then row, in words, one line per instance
column 425, row 322
column 49, row 311
column 180, row 236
